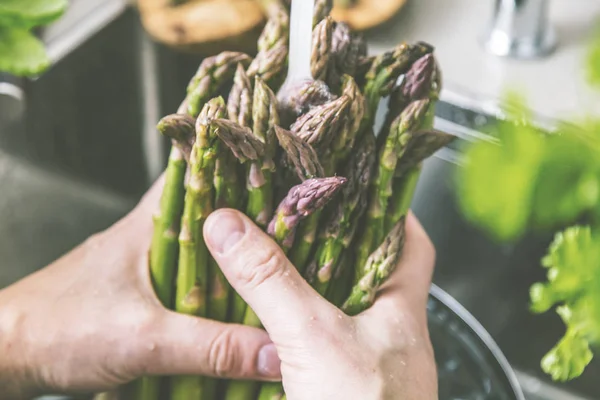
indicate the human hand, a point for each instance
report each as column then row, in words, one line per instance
column 383, row 353
column 90, row 322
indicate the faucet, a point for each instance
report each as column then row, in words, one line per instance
column 520, row 29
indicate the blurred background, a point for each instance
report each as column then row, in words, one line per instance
column 78, row 144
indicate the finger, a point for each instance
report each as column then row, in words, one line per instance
column 410, row 282
column 182, row 345
column 259, row 271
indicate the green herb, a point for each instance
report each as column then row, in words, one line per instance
column 21, row 53
column 573, row 264
column 538, row 180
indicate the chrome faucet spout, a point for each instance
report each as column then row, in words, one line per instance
column 520, row 29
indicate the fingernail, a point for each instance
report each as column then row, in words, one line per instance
column 269, row 364
column 224, row 231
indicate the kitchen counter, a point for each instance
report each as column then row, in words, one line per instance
column 555, row 86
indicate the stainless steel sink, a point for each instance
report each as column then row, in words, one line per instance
column 84, row 148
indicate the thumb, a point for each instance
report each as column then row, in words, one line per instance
column 179, row 344
column 259, row 271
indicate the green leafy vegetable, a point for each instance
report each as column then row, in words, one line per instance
column 573, row 264
column 534, row 179
column 497, row 185
column 21, row 53
column 30, row 13
column 592, row 61
column 530, row 179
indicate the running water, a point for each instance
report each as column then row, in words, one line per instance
column 301, row 26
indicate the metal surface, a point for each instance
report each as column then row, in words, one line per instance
column 520, row 29
column 470, row 364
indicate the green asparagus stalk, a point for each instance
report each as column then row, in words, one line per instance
column 300, row 99
column 322, row 10
column 239, row 108
column 192, row 276
column 378, row 268
column 270, row 65
column 395, row 145
column 346, row 50
column 300, row 154
column 403, row 189
column 385, row 71
column 321, row 49
column 341, row 284
column 276, row 29
column 344, row 142
column 271, row 391
column 259, row 183
column 213, row 73
column 239, row 103
column 341, row 226
column 420, row 82
column 164, row 247
column 247, row 148
column 302, row 200
column 227, row 195
column 318, row 127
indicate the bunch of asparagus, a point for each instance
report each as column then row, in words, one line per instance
column 305, row 165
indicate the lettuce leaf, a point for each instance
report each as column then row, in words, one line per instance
column 21, row 53
column 573, row 263
column 30, row 13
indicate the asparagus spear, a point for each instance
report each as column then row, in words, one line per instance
column 239, row 103
column 403, row 189
column 378, row 268
column 385, row 71
column 239, row 108
column 422, row 80
column 341, row 226
column 318, row 127
column 321, row 49
column 163, row 252
column 395, row 145
column 302, row 200
column 247, row 148
column 180, row 128
column 301, row 154
column 260, row 189
column 212, row 74
column 270, row 65
column 346, row 49
column 418, row 83
column 259, row 183
column 322, row 10
column 192, row 276
column 164, row 247
column 276, row 29
column 344, row 142
column 306, row 95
